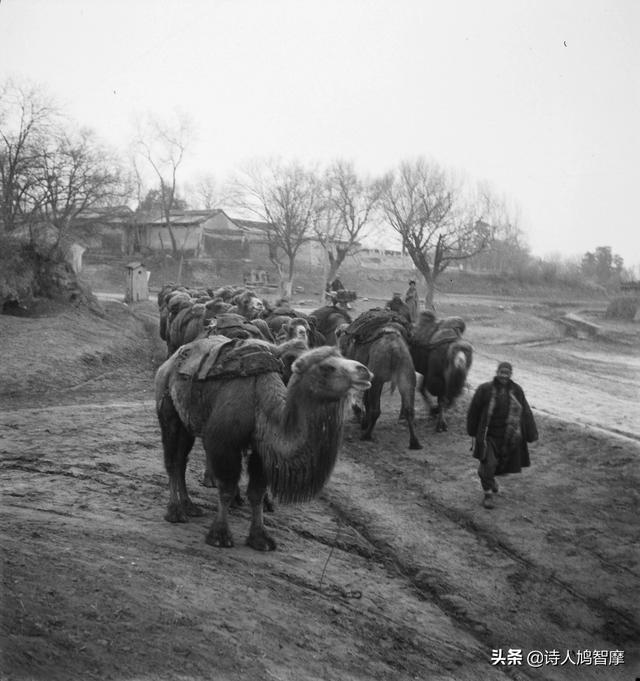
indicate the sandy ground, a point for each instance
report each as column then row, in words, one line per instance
column 394, row 572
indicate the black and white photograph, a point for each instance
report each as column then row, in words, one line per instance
column 319, row 340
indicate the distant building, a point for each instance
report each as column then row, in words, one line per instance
column 231, row 247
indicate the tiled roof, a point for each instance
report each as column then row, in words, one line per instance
column 252, row 224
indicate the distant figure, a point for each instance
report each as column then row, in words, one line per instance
column 411, row 299
column 501, row 423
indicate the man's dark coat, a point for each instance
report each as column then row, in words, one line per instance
column 478, row 421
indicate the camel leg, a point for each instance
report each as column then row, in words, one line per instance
column 409, row 416
column 176, row 443
column 441, row 423
column 407, row 389
column 258, row 538
column 371, row 408
column 268, row 505
column 224, row 463
column 219, row 533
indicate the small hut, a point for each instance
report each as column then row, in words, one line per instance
column 137, row 283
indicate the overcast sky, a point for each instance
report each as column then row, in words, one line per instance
column 539, row 98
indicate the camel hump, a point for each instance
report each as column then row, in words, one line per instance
column 235, row 325
column 442, row 337
column 218, row 357
column 457, row 324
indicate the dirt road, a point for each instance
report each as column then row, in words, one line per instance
column 394, row 572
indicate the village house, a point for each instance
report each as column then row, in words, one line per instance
column 230, row 248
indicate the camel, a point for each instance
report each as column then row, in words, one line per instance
column 294, row 432
column 287, row 352
column 327, row 319
column 384, row 350
column 294, row 327
column 248, row 304
column 444, row 361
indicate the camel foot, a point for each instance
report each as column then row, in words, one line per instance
column 367, row 437
column 176, row 513
column 219, row 536
column 267, row 504
column 259, row 540
column 414, row 444
column 442, row 428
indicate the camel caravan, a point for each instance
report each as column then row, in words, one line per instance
column 271, row 385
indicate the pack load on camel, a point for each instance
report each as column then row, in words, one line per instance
column 380, row 340
column 235, row 325
column 430, row 332
column 222, row 357
column 368, row 326
column 396, row 304
column 293, row 432
column 443, row 358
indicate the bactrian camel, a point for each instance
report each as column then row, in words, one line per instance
column 293, row 432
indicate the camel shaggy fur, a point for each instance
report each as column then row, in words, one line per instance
column 293, row 432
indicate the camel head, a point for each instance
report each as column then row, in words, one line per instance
column 249, row 305
column 298, row 328
column 325, row 375
column 288, row 352
column 341, row 329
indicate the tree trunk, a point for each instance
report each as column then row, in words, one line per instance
column 428, row 299
column 430, row 282
column 179, row 275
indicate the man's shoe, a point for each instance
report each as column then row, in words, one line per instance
column 494, row 487
column 487, row 502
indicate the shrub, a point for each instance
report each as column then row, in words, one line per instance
column 623, row 307
column 17, row 271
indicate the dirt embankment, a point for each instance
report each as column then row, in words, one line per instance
column 394, row 572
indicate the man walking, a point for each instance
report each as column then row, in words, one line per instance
column 501, row 423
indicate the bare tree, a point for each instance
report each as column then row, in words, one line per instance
column 74, row 173
column 26, row 116
column 206, row 193
column 507, row 250
column 50, row 171
column 348, row 205
column 162, row 146
column 288, row 197
column 436, row 220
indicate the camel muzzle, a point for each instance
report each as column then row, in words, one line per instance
column 363, row 378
